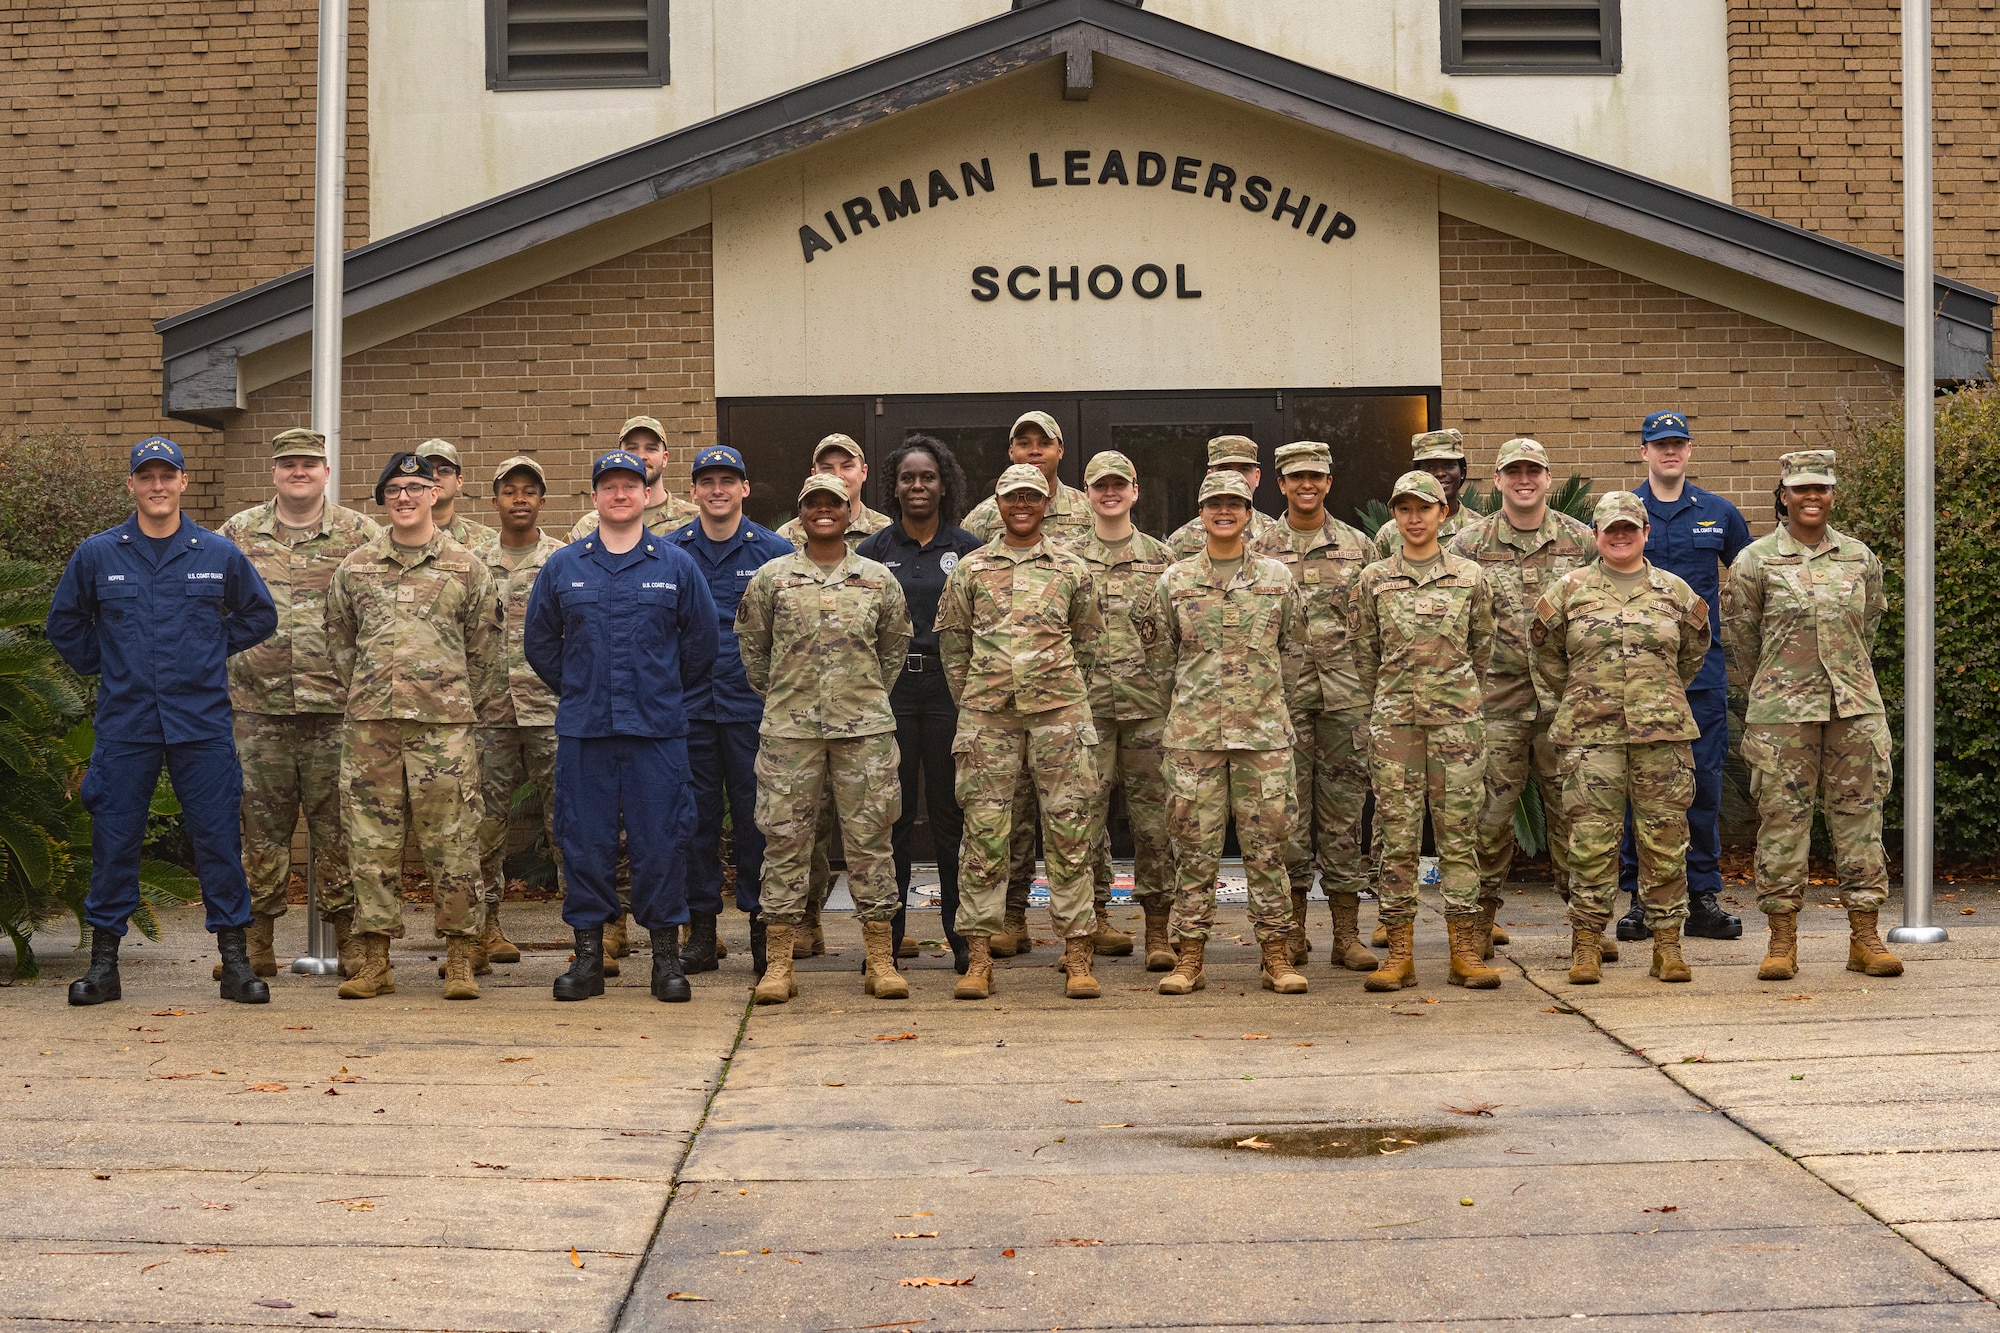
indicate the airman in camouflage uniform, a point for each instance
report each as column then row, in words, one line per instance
column 1442, row 454
column 1423, row 641
column 1800, row 609
column 415, row 635
column 1615, row 644
column 1226, row 453
column 1329, row 712
column 1519, row 565
column 1130, row 685
column 823, row 646
column 645, row 437
column 443, row 456
column 1018, row 628
column 288, row 700
column 1238, row 633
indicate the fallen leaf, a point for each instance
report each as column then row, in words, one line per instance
column 324, row 1314
column 191, row 1074
column 1968, row 911
column 1465, row 1203
column 303, row 1027
column 1700, row 1059
column 267, row 1087
column 1663, row 1208
column 1477, row 1108
column 150, row 1267
column 1558, row 1009
column 184, row 1013
column 1301, row 1043
column 492, row 1166
column 788, row 1259
column 95, row 1176
column 1072, row 1101
column 1006, row 1254
column 913, row 1214
column 514, row 1059
column 935, row 1281
column 1389, row 1152
column 1253, row 1142
column 687, row 1296
column 1256, row 1036
column 333, row 1092
column 1077, row 1242
column 833, row 1085
column 1795, row 998
column 275, row 1305
column 361, row 1206
column 913, row 1235
column 344, row 1077
column 575, row 1259
column 895, row 1036
column 1120, row 1124
column 217, row 1207
column 204, row 1249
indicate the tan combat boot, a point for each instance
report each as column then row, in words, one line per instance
column 1159, row 944
column 346, row 943
column 1348, row 949
column 1400, row 968
column 1013, row 937
column 499, row 949
column 1279, row 973
column 482, row 965
column 1076, row 966
column 1488, row 932
column 1609, row 942
column 1380, row 939
column 1187, row 976
column 263, row 948
column 375, row 976
column 460, row 958
column 808, row 939
column 1668, row 965
column 778, row 984
column 907, row 949
column 1781, row 953
column 1297, row 945
column 1865, row 950
column 1467, row 934
column 1500, row 935
column 1107, row 939
column 1586, row 955
column 977, row 983
column 884, row 982
column 616, row 944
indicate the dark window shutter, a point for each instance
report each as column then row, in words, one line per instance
column 1530, row 36
column 576, row 44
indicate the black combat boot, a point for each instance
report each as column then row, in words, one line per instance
column 669, row 982
column 240, row 981
column 100, row 983
column 758, row 936
column 1709, row 922
column 699, row 956
column 585, row 977
column 1632, row 926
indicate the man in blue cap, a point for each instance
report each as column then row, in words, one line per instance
column 723, row 711
column 154, row 608
column 1696, row 534
column 622, row 627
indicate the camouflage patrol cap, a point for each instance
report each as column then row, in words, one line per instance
column 1021, row 477
column 829, row 482
column 1110, row 463
column 519, row 463
column 641, row 423
column 1446, row 443
column 1232, row 449
column 298, row 442
column 1618, row 507
column 1522, row 451
column 1806, row 467
column 440, row 451
column 1420, row 484
column 1223, row 486
column 1042, row 420
column 844, row 443
column 1303, row 456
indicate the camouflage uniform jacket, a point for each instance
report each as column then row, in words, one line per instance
column 292, row 671
column 660, row 519
column 1131, row 679
column 1799, row 628
column 1190, row 539
column 859, row 529
column 823, row 649
column 1620, row 668
column 1519, row 567
column 416, row 635
column 1325, row 574
column 1067, row 521
column 467, row 532
column 1239, row 649
column 526, row 700
column 1423, row 644
column 1389, row 537
column 1019, row 629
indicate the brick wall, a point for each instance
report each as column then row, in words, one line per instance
column 551, row 373
column 1539, row 343
column 156, row 157
column 1815, row 104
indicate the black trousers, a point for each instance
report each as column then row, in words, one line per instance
column 926, row 723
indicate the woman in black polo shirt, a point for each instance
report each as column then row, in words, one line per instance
column 921, row 546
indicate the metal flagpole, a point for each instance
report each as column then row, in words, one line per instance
column 329, row 243
column 1919, row 486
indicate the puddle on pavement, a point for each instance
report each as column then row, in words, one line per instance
column 1328, row 1140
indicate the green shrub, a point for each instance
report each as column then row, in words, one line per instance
column 53, row 494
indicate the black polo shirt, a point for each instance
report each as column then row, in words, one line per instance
column 922, row 571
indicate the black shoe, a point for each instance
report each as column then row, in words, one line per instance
column 1632, row 926
column 759, row 957
column 100, row 983
column 240, row 981
column 961, row 954
column 1706, row 921
column 670, row 984
column 699, row 955
column 585, row 977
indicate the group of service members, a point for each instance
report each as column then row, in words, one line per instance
column 675, row 663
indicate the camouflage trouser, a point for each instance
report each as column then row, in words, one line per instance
column 1021, row 844
column 289, row 762
column 509, row 757
column 819, row 875
column 1515, row 749
column 423, row 775
column 1130, row 753
column 1845, row 764
column 1055, row 749
column 1598, row 780
column 1204, row 787
column 859, row 775
column 1442, row 765
column 1330, row 775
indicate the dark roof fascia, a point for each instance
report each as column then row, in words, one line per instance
column 509, row 223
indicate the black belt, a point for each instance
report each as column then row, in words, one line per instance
column 918, row 664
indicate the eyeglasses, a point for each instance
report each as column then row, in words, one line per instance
column 413, row 490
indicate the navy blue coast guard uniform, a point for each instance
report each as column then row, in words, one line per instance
column 157, row 631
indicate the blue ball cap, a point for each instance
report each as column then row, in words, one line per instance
column 719, row 455
column 157, row 448
column 618, row 460
column 1664, row 426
